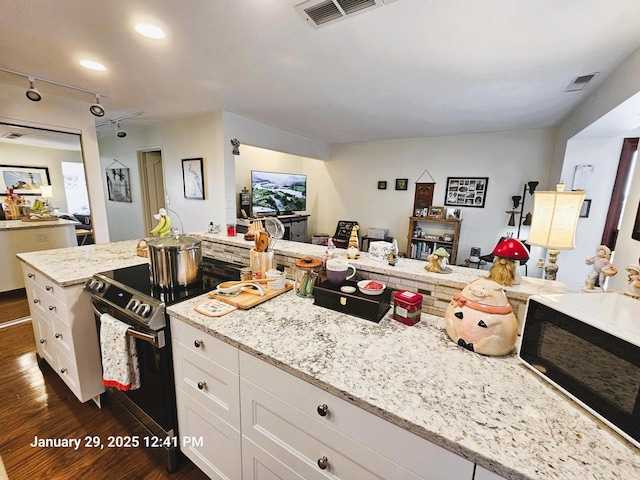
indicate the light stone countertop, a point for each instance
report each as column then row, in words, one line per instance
column 490, row 410
column 408, row 268
column 75, row 265
column 20, row 225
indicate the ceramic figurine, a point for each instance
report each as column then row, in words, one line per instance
column 602, row 268
column 481, row 319
column 353, row 247
column 329, row 253
column 508, row 254
column 438, row 262
column 633, row 286
column 392, row 255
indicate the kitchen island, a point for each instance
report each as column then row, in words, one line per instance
column 17, row 236
column 491, row 411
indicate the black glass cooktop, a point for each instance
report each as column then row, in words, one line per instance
column 138, row 279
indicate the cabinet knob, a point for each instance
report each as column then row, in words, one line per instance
column 48, row 288
column 30, row 275
column 198, row 343
column 52, row 308
column 57, row 335
column 202, row 385
column 42, row 340
column 63, row 370
column 323, row 463
column 35, row 300
column 323, row 410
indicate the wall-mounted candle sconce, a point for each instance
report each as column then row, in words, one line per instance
column 518, row 207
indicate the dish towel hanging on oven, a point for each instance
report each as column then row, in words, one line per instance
column 119, row 356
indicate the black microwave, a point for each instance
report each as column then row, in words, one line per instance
column 588, row 346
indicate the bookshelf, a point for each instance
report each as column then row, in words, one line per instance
column 427, row 234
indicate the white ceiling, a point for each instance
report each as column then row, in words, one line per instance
column 413, row 68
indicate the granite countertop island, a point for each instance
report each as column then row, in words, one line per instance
column 75, row 265
column 490, row 410
column 19, row 224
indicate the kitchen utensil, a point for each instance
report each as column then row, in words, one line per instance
column 262, row 242
column 244, row 300
column 176, row 261
column 275, row 228
column 260, row 262
column 249, row 287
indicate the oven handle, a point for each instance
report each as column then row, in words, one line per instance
column 152, row 339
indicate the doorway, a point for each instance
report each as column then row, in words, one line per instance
column 151, row 185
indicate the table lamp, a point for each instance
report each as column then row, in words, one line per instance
column 555, row 218
column 46, row 192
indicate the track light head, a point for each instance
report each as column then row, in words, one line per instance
column 97, row 109
column 119, row 133
column 32, row 93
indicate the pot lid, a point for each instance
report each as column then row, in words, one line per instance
column 511, row 249
column 174, row 241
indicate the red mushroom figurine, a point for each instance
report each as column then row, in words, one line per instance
column 504, row 269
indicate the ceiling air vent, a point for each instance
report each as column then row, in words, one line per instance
column 12, row 135
column 580, row 82
column 319, row 13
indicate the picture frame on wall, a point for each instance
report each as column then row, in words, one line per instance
column 466, row 191
column 193, row 178
column 382, row 185
column 24, row 180
column 454, row 214
column 402, row 183
column 118, row 184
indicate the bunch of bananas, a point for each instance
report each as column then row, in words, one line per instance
column 163, row 229
column 39, row 207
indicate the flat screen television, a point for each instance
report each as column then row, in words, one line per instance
column 279, row 193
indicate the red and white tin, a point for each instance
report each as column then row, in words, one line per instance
column 407, row 307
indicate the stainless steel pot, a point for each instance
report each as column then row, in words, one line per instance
column 176, row 261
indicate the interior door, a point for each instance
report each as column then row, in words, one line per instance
column 152, row 180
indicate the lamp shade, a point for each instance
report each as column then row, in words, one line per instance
column 555, row 218
column 46, row 191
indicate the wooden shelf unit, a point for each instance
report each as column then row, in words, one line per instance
column 434, row 229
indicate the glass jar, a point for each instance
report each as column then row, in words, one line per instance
column 306, row 275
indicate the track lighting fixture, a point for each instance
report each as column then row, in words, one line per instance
column 97, row 109
column 120, row 133
column 32, row 93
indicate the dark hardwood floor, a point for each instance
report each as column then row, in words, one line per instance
column 13, row 305
column 34, row 401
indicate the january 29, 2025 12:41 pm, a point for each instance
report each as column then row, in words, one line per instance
column 119, row 441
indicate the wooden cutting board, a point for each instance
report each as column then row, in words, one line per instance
column 245, row 300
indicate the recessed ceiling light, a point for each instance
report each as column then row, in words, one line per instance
column 91, row 65
column 150, row 31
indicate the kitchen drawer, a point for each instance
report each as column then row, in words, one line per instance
column 257, row 464
column 302, row 443
column 68, row 371
column 381, row 436
column 61, row 336
column 205, row 344
column 218, row 453
column 43, row 337
column 214, row 386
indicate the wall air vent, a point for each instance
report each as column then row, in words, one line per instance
column 12, row 135
column 320, row 13
column 579, row 83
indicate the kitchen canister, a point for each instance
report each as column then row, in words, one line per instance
column 407, row 307
column 306, row 275
column 260, row 262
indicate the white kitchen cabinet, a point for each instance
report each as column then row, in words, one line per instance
column 307, row 428
column 65, row 332
column 484, row 474
column 295, row 227
column 208, row 402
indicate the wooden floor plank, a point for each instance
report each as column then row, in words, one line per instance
column 35, row 401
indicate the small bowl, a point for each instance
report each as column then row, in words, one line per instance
column 362, row 286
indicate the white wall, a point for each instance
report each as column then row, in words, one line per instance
column 510, row 159
column 193, row 137
column 65, row 115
